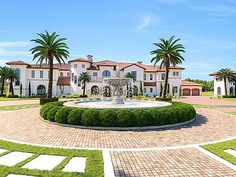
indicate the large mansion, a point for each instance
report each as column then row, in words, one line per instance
column 219, row 88
column 66, row 77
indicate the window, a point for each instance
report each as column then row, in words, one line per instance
column 33, row 74
column 75, row 79
column 175, row 89
column 17, row 71
column 61, row 73
column 163, row 76
column 41, row 90
column 41, row 74
column 134, row 73
column 95, row 74
column 83, row 66
column 68, row 74
column 151, row 76
column 106, row 73
column 72, row 77
column 144, row 77
column 145, row 90
column 75, row 65
column 151, row 90
column 79, row 82
column 175, row 73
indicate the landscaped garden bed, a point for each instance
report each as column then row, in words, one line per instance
column 177, row 113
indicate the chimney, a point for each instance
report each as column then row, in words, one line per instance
column 90, row 58
column 140, row 62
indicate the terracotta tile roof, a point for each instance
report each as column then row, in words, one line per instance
column 150, row 84
column 92, row 67
column 16, row 63
column 63, row 80
column 62, row 67
column 79, row 60
column 188, row 83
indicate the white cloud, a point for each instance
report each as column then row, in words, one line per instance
column 147, row 21
column 8, row 44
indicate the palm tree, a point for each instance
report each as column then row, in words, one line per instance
column 3, row 74
column 232, row 79
column 48, row 48
column 168, row 52
column 224, row 74
column 84, row 78
column 12, row 76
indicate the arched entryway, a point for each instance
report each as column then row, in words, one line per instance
column 186, row 92
column 218, row 91
column 41, row 90
column 195, row 92
column 107, row 91
column 94, row 90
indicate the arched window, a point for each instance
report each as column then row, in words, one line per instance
column 231, row 91
column 17, row 81
column 106, row 73
column 218, row 91
column 41, row 90
column 94, row 90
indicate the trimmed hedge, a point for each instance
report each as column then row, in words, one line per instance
column 229, row 96
column 47, row 100
column 177, row 113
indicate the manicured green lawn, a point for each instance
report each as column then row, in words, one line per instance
column 94, row 161
column 17, row 107
column 208, row 93
column 12, row 99
column 218, row 149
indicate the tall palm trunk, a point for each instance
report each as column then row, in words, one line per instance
column 3, row 84
column 166, row 82
column 234, row 88
column 225, row 87
column 50, row 77
column 11, row 89
column 84, row 88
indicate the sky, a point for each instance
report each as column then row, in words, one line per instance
column 125, row 30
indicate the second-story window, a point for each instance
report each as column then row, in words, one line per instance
column 134, row 73
column 163, row 76
column 95, row 74
column 75, row 79
column 41, row 74
column 151, row 76
column 175, row 73
column 68, row 74
column 33, row 74
column 144, row 77
column 106, row 73
column 72, row 77
column 61, row 73
column 83, row 66
column 17, row 81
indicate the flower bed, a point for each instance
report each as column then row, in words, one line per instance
column 177, row 113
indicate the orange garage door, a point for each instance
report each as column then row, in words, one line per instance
column 186, row 92
column 195, row 92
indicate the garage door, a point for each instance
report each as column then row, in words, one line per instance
column 195, row 92
column 186, row 92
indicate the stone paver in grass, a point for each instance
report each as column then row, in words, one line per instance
column 231, row 152
column 76, row 164
column 2, row 150
column 44, row 162
column 13, row 175
column 14, row 158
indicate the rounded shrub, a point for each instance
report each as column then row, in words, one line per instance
column 52, row 113
column 75, row 116
column 125, row 118
column 62, row 115
column 158, row 118
column 90, row 117
column 45, row 111
column 142, row 117
column 108, row 118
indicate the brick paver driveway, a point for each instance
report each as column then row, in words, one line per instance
column 18, row 102
column 165, row 152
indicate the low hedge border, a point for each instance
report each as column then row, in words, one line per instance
column 152, row 117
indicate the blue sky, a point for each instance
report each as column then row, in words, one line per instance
column 124, row 30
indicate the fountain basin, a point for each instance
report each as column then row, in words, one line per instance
column 112, row 105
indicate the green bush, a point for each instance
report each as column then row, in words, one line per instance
column 108, row 118
column 90, row 117
column 12, row 96
column 2, row 95
column 47, row 100
column 125, row 118
column 228, row 96
column 56, row 103
column 62, row 115
column 142, row 117
column 75, row 116
column 45, row 110
column 52, row 113
column 167, row 99
column 83, row 96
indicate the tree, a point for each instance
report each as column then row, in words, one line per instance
column 232, row 79
column 4, row 76
column 168, row 52
column 84, row 78
column 29, row 89
column 224, row 74
column 168, row 88
column 12, row 76
column 161, row 89
column 48, row 48
column 141, row 88
column 21, row 90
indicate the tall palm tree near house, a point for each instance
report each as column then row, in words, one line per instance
column 85, row 77
column 232, row 79
column 12, row 76
column 224, row 74
column 49, row 47
column 169, row 53
column 4, row 76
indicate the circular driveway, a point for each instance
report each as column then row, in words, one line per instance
column 26, row 126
